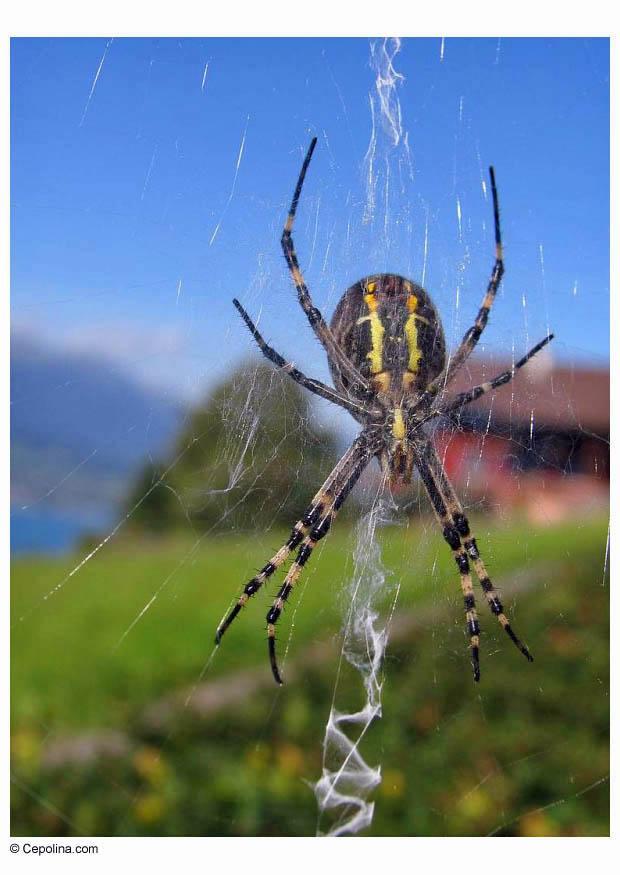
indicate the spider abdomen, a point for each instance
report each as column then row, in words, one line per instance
column 389, row 329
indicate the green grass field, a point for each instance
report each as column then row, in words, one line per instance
column 523, row 753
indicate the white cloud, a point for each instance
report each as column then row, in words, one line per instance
column 160, row 358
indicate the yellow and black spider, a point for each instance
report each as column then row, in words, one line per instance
column 386, row 352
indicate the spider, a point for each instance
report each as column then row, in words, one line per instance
column 387, row 356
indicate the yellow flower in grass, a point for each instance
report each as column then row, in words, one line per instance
column 537, row 824
column 393, row 784
column 475, row 805
column 25, row 748
column 149, row 808
column 150, row 765
column 290, row 759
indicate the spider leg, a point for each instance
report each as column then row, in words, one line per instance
column 451, row 535
column 308, row 383
column 319, row 530
column 316, row 320
column 468, row 542
column 472, row 335
column 323, row 500
column 505, row 377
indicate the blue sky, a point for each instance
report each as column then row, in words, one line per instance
column 133, row 227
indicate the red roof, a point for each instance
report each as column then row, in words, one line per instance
column 568, row 398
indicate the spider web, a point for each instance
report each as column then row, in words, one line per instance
column 387, row 216
column 347, row 780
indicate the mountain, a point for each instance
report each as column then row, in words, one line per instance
column 80, row 428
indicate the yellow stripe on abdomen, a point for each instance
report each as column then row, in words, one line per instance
column 411, row 333
column 377, row 331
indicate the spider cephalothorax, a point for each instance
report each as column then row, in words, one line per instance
column 387, row 356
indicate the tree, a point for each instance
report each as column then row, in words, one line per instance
column 251, row 455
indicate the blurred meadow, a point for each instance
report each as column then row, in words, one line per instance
column 127, row 739
column 156, row 464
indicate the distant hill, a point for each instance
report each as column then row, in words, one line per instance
column 249, row 455
column 79, row 418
